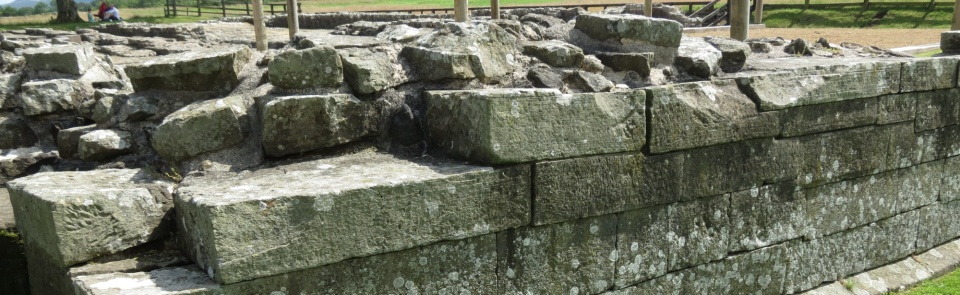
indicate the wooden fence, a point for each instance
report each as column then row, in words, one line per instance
column 220, row 7
column 864, row 3
column 449, row 10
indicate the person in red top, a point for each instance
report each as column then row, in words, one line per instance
column 103, row 9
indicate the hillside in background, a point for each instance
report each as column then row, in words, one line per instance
column 32, row 3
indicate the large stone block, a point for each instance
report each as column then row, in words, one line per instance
column 950, row 185
column 51, row 96
column 950, row 42
column 67, row 59
column 521, row 125
column 896, row 108
column 894, row 238
column 296, row 124
column 734, row 52
column 939, row 224
column 690, row 115
column 184, row 280
column 928, row 73
column 937, row 109
column 9, row 86
column 766, row 215
column 823, row 84
column 826, row 259
column 555, row 53
column 697, row 58
column 823, row 117
column 463, row 51
column 582, row 187
column 312, row 67
column 571, row 257
column 199, row 128
column 68, row 140
column 76, row 216
column 644, row 34
column 938, row 143
column 760, row 271
column 104, row 144
column 634, row 61
column 213, row 69
column 656, row 240
column 15, row 132
column 330, row 210
column 371, row 70
column 830, row 157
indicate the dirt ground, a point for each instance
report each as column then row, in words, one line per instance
column 884, row 38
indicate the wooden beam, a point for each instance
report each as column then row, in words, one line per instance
column 460, row 10
column 293, row 18
column 259, row 29
column 495, row 9
column 739, row 19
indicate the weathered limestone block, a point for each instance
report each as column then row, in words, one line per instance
column 835, row 288
column 928, row 74
column 67, row 59
column 588, row 82
column 950, row 42
column 637, row 62
column 734, row 53
column 76, row 216
column 463, row 51
column 546, row 78
column 296, row 124
column 571, row 257
column 555, row 53
column 671, row 283
column 68, row 140
column 15, row 132
column 21, row 161
column 311, row 67
column 339, row 208
column 104, row 144
column 209, row 69
column 823, row 117
column 895, row 238
column 830, row 83
column 644, row 34
column 656, row 240
column 766, row 215
column 936, row 109
column 185, row 280
column 520, row 125
column 833, row 156
column 939, row 143
column 137, row 108
column 940, row 260
column 896, row 108
column 198, row 128
column 890, row 278
column 760, row 271
column 698, row 114
column 371, row 71
column 104, row 108
column 939, row 224
column 582, row 187
column 9, row 86
column 950, row 185
column 918, row 186
column 51, row 96
column 697, row 58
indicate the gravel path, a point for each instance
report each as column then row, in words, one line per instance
column 884, row 38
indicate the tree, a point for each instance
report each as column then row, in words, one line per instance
column 41, row 7
column 67, row 12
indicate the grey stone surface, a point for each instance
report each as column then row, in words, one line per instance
column 6, row 210
column 198, row 128
column 831, row 116
column 441, row 54
column 520, row 125
column 374, row 203
column 697, row 58
column 15, row 132
column 546, row 78
column 163, row 281
column 216, row 69
column 656, row 240
column 828, row 83
column 555, row 53
column 830, row 157
column 950, row 185
column 942, row 259
column 104, row 144
column 296, row 124
column 9, row 86
column 139, row 107
column 698, row 114
column 104, row 108
column 766, row 215
column 835, row 288
column 51, row 96
column 938, row 143
column 371, row 71
column 637, row 62
column 936, row 109
column 950, row 42
column 896, row 277
column 76, row 216
column 570, row 257
column 734, row 53
column 761, row 271
column 67, row 59
column 644, row 34
column 896, row 108
column 68, row 140
column 588, row 82
column 312, row 67
column 582, row 187
column 940, row 214
column 928, row 74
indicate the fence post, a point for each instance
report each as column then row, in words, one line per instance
column 956, row 15
column 806, row 4
column 198, row 9
column 293, row 19
column 223, row 7
column 739, row 19
column 647, row 8
column 758, row 12
column 247, row 4
column 174, row 8
column 495, row 9
column 460, row 10
column 259, row 30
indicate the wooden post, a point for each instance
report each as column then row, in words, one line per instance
column 648, row 8
column 293, row 18
column 739, row 19
column 758, row 12
column 806, row 4
column 247, row 4
column 223, row 7
column 460, row 10
column 495, row 9
column 174, row 8
column 259, row 29
column 956, row 15
column 198, row 9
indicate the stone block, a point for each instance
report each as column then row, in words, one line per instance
column 823, row 84
column 198, row 128
column 211, row 69
column 76, row 216
column 51, row 96
column 15, row 132
column 104, row 144
column 441, row 54
column 555, row 53
column 67, row 59
column 546, row 78
column 847, row 204
column 296, row 124
column 942, row 259
column 894, row 238
column 312, row 67
column 824, row 117
column 697, row 58
column 521, row 125
column 937, row 109
column 68, row 140
column 6, row 210
column 698, row 114
column 338, row 208
column 896, row 108
column 9, row 86
column 923, row 74
column 766, row 215
column 571, row 257
column 633, row 61
column 582, row 187
column 938, row 143
column 830, row 157
column 655, row 240
column 639, row 33
column 759, row 271
column 588, row 82
column 939, row 224
column 371, row 71
column 184, row 280
column 917, row 186
column 835, row 288
column 950, row 184
column 950, row 42
column 734, row 53
column 896, row 277
column 826, row 259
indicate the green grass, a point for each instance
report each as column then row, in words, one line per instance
column 857, row 17
column 948, row 284
column 930, row 53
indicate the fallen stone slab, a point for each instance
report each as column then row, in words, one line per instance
column 173, row 280
column 734, row 53
column 520, row 125
column 349, row 206
column 555, row 53
column 50, row 96
column 76, row 216
column 68, row 140
column 15, row 132
column 637, row 62
column 201, row 70
column 588, row 82
column 296, row 124
column 67, row 59
column 104, row 144
column 370, row 71
column 9, row 86
column 312, row 67
column 199, row 128
column 697, row 58
column 462, row 51
column 636, row 33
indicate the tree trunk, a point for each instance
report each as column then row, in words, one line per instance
column 67, row 12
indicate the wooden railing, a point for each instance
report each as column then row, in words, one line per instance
column 449, row 10
column 222, row 7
